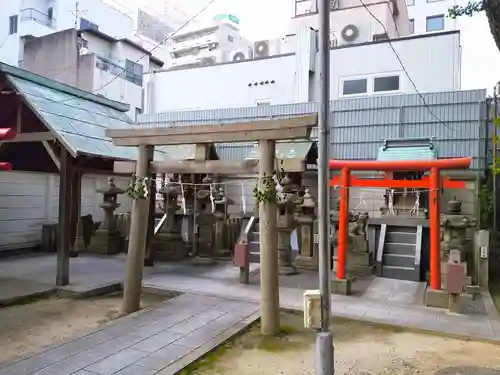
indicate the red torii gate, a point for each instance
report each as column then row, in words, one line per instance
column 434, row 184
column 6, row 134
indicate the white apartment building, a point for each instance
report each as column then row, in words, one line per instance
column 24, row 19
column 93, row 61
column 217, row 41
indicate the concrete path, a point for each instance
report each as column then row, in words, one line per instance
column 160, row 341
column 371, row 309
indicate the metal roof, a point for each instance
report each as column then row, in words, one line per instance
column 77, row 118
column 407, row 153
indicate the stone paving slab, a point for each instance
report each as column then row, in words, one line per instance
column 13, row 290
column 385, row 311
column 164, row 339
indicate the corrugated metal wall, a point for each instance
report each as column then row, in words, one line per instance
column 457, row 120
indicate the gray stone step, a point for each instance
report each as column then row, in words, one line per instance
column 401, row 260
column 401, row 237
column 254, row 257
column 253, row 236
column 401, row 273
column 399, row 248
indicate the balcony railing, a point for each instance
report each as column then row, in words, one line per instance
column 30, row 14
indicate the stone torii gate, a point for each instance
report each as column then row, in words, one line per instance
column 266, row 132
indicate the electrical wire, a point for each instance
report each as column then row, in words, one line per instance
column 404, row 69
column 116, row 76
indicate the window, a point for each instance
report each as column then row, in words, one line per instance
column 412, row 26
column 13, row 24
column 230, row 38
column 435, row 23
column 50, row 13
column 87, row 25
column 383, row 84
column 410, row 3
column 133, row 72
column 355, row 86
column 303, row 7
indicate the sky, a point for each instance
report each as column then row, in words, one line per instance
column 262, row 19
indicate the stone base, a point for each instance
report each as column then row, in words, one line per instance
column 103, row 243
column 168, row 248
column 287, row 270
column 358, row 270
column 441, row 299
column 341, row 286
column 203, row 261
column 307, row 263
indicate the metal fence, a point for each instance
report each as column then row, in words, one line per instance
column 458, row 120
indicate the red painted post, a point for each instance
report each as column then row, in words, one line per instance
column 343, row 234
column 435, row 252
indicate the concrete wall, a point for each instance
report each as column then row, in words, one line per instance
column 40, row 57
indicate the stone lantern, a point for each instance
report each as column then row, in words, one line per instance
column 204, row 221
column 454, row 227
column 167, row 243
column 107, row 239
column 285, row 226
column 221, row 245
column 308, row 255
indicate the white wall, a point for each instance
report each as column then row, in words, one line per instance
column 225, row 86
column 421, row 9
column 30, row 200
column 432, row 62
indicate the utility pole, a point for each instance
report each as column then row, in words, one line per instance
column 324, row 339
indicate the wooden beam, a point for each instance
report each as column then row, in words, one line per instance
column 52, row 154
column 191, row 166
column 63, row 247
column 19, row 118
column 294, row 128
column 31, row 137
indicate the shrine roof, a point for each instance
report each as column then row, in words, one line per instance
column 78, row 119
column 408, row 149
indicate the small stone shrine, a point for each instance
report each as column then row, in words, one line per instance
column 285, row 226
column 305, row 217
column 221, row 235
column 107, row 240
column 167, row 243
column 454, row 227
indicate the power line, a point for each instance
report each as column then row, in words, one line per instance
column 116, row 76
column 404, row 68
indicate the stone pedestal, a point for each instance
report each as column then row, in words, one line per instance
column 204, row 223
column 308, row 257
column 221, row 236
column 285, row 226
column 107, row 240
column 167, row 243
column 359, row 259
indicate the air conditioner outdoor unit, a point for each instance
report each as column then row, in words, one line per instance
column 241, row 55
column 268, row 47
column 349, row 33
